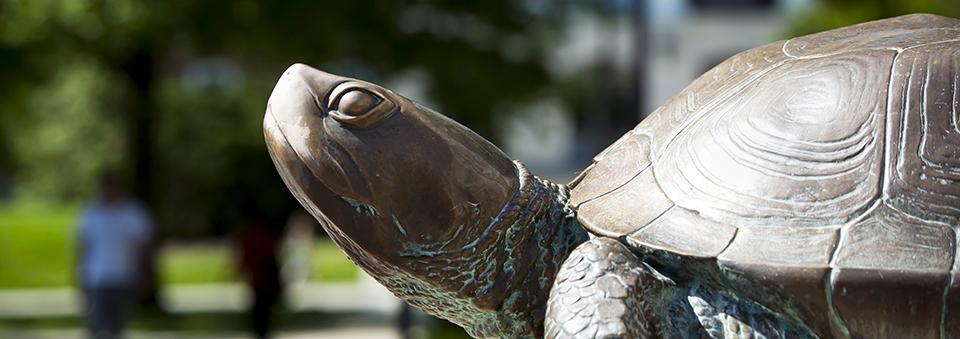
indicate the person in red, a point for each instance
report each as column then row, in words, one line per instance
column 258, row 264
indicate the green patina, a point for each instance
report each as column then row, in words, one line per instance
column 513, row 260
column 362, row 208
column 396, row 222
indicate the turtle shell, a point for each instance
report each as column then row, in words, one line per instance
column 827, row 166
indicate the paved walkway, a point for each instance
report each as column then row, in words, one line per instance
column 376, row 332
column 366, row 295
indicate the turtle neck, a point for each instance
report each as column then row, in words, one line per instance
column 498, row 286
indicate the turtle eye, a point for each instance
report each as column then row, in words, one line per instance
column 356, row 105
column 357, row 102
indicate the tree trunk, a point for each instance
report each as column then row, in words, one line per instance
column 141, row 70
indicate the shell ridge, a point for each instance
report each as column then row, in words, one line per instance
column 783, row 49
column 830, row 279
column 890, row 250
column 716, row 199
column 922, row 178
column 700, row 112
column 924, row 121
column 733, row 200
column 895, row 49
column 736, row 233
column 897, row 33
column 836, row 53
column 837, row 322
column 703, row 159
column 934, row 42
column 645, row 168
column 853, row 161
column 654, row 157
column 654, row 221
column 700, row 166
column 889, row 129
column 844, row 231
column 912, row 217
column 849, row 141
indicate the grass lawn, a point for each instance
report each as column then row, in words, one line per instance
column 37, row 250
column 36, row 245
column 214, row 263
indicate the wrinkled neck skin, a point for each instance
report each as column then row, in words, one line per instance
column 497, row 285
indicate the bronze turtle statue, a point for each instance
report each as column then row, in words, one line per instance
column 806, row 188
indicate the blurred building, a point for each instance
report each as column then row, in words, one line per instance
column 687, row 38
column 640, row 53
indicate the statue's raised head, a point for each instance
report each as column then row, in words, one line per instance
column 435, row 212
column 388, row 174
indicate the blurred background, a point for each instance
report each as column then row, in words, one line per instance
column 170, row 95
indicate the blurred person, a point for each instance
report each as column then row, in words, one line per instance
column 405, row 321
column 114, row 232
column 258, row 263
column 298, row 247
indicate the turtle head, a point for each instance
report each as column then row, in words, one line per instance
column 385, row 173
column 417, row 200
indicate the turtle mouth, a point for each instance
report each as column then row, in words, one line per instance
column 291, row 167
column 337, row 161
column 297, row 119
column 336, row 213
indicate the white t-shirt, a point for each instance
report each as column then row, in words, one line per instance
column 113, row 236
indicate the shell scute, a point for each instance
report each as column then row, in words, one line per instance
column 637, row 203
column 924, row 159
column 621, row 162
column 802, row 146
column 684, row 232
column 888, row 250
column 788, row 246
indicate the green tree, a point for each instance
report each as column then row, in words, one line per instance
column 829, row 14
column 173, row 92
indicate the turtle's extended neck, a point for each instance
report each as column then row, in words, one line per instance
column 500, row 287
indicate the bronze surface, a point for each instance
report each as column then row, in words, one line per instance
column 809, row 187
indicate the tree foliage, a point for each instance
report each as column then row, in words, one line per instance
column 829, row 14
column 172, row 92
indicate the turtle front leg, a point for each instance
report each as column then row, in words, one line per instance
column 603, row 290
column 598, row 293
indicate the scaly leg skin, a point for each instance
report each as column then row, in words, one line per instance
column 598, row 294
column 603, row 290
column 725, row 315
